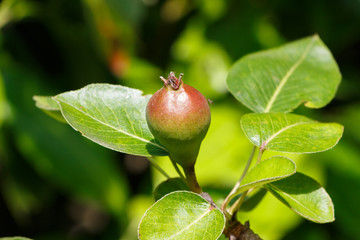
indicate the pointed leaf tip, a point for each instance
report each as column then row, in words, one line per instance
column 304, row 196
column 112, row 116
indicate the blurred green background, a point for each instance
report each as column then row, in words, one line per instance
column 56, row 184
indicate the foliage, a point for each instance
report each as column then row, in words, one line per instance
column 52, row 179
column 181, row 215
column 302, row 71
column 114, row 117
column 105, row 114
column 290, row 133
column 304, row 196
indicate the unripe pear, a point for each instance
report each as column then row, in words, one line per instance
column 178, row 116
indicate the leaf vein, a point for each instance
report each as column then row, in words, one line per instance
column 287, row 76
column 267, row 141
column 191, row 224
column 112, row 127
column 294, row 199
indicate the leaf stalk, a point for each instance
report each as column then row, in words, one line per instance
column 157, row 166
column 178, row 170
column 232, row 194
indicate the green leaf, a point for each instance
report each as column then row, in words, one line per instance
column 222, row 237
column 290, row 132
column 304, row 196
column 49, row 106
column 280, row 79
column 46, row 103
column 112, row 116
column 269, row 170
column 182, row 215
column 168, row 186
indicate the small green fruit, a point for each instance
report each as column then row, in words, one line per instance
column 178, row 116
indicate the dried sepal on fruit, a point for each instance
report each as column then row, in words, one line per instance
column 178, row 116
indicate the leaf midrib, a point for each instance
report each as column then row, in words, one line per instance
column 268, row 140
column 119, row 130
column 287, row 76
column 296, row 201
column 191, row 224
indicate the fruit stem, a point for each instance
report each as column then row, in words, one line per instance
column 191, row 179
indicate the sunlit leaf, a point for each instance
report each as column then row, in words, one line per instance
column 290, row 132
column 269, row 170
column 112, row 116
column 46, row 103
column 304, row 196
column 280, row 79
column 182, row 215
column 49, row 106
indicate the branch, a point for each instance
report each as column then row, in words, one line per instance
column 238, row 231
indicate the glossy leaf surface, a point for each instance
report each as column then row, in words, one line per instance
column 280, row 79
column 304, row 196
column 112, row 116
column 290, row 132
column 182, row 215
column 269, row 170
